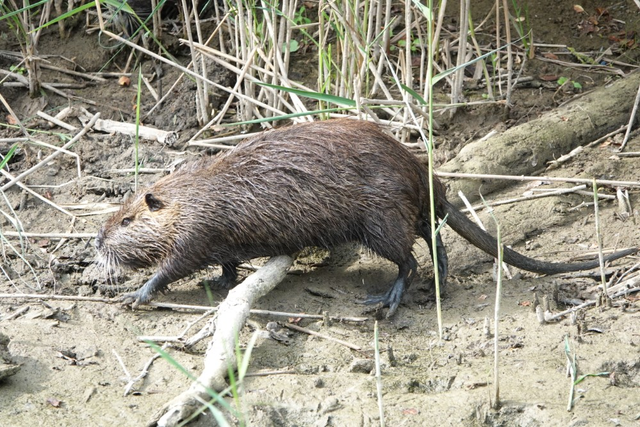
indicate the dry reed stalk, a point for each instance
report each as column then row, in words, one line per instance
column 385, row 40
column 199, row 67
column 458, row 76
column 507, row 30
column 407, row 70
column 483, row 64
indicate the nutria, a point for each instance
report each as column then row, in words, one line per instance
column 315, row 184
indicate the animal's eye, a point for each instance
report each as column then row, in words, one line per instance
column 125, row 222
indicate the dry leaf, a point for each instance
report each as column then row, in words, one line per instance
column 578, row 8
column 124, row 81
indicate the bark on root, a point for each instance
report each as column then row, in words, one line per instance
column 526, row 149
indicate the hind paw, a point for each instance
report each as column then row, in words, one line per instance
column 389, row 299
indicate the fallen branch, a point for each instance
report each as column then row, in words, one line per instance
column 232, row 313
column 525, row 149
column 144, row 132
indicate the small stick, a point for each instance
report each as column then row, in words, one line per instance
column 604, row 138
column 67, row 152
column 89, row 76
column 554, row 164
column 631, row 120
column 478, row 221
column 122, row 365
column 378, row 374
column 11, row 140
column 596, row 212
column 559, row 191
column 323, row 336
column 13, row 114
column 592, row 67
column 53, row 155
column 35, row 194
column 601, row 182
column 57, row 122
column 269, row 373
column 57, row 297
column 51, row 235
column 179, row 306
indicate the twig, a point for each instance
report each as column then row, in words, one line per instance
column 57, row 122
column 122, row 365
column 478, row 221
column 58, row 297
column 530, row 197
column 601, row 182
column 592, row 67
column 13, row 114
column 605, row 137
column 323, row 336
column 51, row 235
column 378, row 373
column 197, row 308
column 34, row 194
column 631, row 120
column 144, row 132
column 53, row 155
column 269, row 373
column 143, row 373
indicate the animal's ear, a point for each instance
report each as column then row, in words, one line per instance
column 153, row 203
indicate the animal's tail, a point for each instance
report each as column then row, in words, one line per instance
column 481, row 239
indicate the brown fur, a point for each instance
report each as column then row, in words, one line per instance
column 316, row 184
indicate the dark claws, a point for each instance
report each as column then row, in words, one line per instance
column 134, row 299
column 389, row 299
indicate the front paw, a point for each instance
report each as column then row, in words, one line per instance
column 134, row 299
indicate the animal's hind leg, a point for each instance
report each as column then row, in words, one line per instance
column 229, row 276
column 443, row 259
column 392, row 298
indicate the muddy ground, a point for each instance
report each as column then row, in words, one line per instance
column 70, row 351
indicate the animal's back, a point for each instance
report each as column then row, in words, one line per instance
column 308, row 185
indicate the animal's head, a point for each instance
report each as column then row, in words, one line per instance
column 140, row 234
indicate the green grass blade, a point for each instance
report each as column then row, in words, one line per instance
column 65, row 15
column 6, row 159
column 16, row 12
column 346, row 102
column 415, row 94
